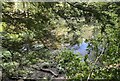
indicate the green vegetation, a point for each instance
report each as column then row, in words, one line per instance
column 37, row 34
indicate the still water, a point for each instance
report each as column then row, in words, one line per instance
column 82, row 48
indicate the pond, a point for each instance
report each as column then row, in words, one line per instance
column 82, row 48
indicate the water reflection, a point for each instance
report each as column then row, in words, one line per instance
column 82, row 48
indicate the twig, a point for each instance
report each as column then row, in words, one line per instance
column 96, row 62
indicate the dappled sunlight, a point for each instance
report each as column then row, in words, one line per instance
column 60, row 40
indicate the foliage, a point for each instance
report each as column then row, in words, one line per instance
column 72, row 65
column 31, row 32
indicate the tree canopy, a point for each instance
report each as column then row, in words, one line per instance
column 41, row 32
